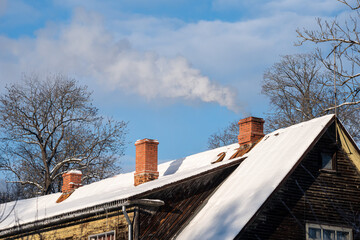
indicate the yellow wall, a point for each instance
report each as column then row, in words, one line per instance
column 349, row 148
column 81, row 230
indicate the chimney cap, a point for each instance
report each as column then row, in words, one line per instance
column 253, row 119
column 74, row 171
column 146, row 140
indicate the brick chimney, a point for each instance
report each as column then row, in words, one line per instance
column 251, row 129
column 146, row 161
column 71, row 181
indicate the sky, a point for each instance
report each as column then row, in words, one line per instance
column 176, row 71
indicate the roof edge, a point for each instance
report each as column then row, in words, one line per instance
column 45, row 222
column 113, row 205
column 233, row 162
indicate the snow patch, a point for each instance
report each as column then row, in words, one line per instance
column 75, row 171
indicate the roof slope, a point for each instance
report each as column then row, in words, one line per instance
column 119, row 187
column 240, row 196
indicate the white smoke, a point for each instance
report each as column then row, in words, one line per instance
column 86, row 48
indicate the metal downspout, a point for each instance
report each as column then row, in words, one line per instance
column 129, row 223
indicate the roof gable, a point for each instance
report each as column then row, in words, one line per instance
column 310, row 194
column 242, row 194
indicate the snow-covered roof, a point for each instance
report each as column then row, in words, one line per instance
column 111, row 189
column 240, row 196
column 226, row 212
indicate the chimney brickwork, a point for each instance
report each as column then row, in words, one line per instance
column 71, row 181
column 146, row 161
column 251, row 129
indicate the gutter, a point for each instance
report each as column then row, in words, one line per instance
column 87, row 212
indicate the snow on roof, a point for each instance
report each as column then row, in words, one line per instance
column 266, row 165
column 119, row 187
column 240, row 196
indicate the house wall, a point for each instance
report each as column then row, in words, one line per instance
column 181, row 201
column 81, row 229
column 311, row 195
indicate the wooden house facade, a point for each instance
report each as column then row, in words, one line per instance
column 316, row 200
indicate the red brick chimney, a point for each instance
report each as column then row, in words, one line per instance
column 71, row 181
column 146, row 161
column 251, row 129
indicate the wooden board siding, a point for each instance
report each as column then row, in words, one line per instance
column 311, row 195
column 181, row 201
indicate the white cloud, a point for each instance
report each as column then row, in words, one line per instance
column 3, row 4
column 223, row 5
column 18, row 12
column 84, row 47
column 260, row 8
column 306, row 7
column 151, row 56
column 236, row 53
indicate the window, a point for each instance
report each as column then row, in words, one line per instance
column 325, row 232
column 103, row 236
column 326, row 160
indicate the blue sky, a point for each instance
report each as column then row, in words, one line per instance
column 176, row 70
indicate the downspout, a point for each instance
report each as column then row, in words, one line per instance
column 129, row 223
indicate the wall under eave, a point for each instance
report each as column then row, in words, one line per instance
column 348, row 146
column 80, row 228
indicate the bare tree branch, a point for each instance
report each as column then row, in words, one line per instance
column 340, row 105
column 342, row 40
column 62, row 163
column 28, row 182
column 352, row 7
column 49, row 127
column 225, row 136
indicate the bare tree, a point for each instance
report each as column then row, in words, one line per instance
column 8, row 192
column 49, row 127
column 295, row 87
column 341, row 41
column 300, row 89
column 225, row 136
